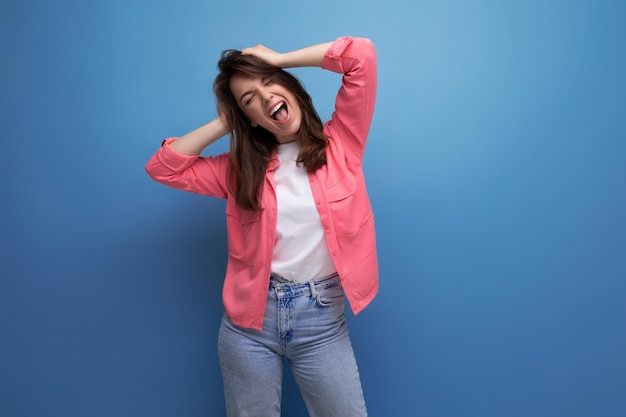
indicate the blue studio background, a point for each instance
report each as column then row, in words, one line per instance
column 496, row 167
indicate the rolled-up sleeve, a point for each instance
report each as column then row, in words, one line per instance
column 193, row 173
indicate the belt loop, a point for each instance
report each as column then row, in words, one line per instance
column 313, row 290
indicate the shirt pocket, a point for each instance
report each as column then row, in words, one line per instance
column 243, row 233
column 341, row 202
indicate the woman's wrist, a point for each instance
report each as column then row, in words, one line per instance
column 310, row 56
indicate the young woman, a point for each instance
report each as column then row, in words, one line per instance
column 300, row 225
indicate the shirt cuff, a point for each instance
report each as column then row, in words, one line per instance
column 173, row 160
column 332, row 57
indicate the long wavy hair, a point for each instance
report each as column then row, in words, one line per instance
column 251, row 147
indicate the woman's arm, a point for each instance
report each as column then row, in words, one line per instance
column 355, row 58
column 178, row 164
column 310, row 56
column 195, row 141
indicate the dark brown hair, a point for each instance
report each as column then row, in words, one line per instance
column 251, row 147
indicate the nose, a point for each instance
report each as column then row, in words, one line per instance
column 266, row 94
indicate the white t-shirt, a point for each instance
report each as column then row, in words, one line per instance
column 300, row 250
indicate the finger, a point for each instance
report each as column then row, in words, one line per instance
column 253, row 50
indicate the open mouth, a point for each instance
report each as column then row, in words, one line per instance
column 279, row 112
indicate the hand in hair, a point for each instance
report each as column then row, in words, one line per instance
column 265, row 54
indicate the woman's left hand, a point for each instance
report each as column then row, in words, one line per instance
column 265, row 54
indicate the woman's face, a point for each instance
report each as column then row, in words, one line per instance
column 268, row 104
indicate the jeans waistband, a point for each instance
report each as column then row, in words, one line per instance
column 284, row 288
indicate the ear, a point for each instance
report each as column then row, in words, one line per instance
column 253, row 124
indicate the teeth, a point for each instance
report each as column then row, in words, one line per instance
column 276, row 107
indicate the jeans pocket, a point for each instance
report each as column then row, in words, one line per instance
column 330, row 297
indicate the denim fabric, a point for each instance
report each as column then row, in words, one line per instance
column 304, row 324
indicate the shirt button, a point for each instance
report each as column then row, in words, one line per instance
column 318, row 202
column 334, row 253
column 326, row 226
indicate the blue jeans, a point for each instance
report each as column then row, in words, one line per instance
column 305, row 324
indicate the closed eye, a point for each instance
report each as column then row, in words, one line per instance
column 247, row 98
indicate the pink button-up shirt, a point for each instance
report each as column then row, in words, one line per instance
column 338, row 191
